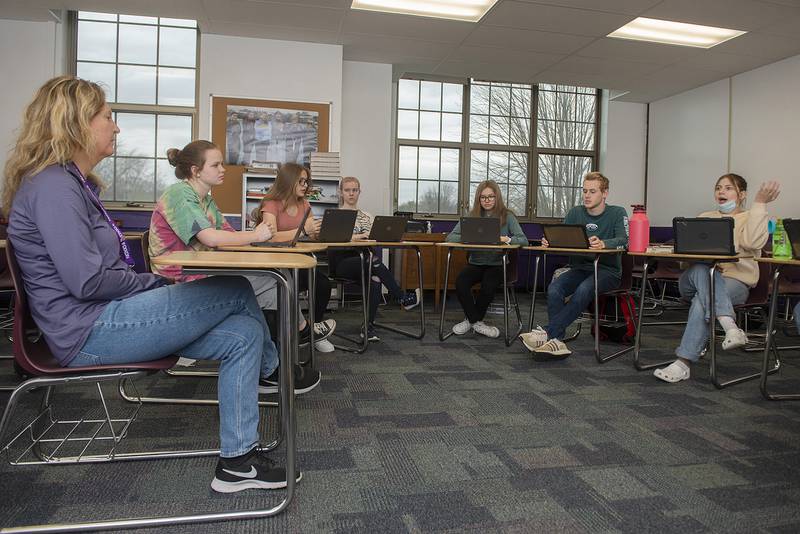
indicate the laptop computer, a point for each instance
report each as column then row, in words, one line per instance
column 294, row 240
column 703, row 235
column 566, row 235
column 792, row 227
column 386, row 228
column 480, row 230
column 337, row 226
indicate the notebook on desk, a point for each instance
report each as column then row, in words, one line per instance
column 566, row 235
column 480, row 231
column 792, row 227
column 294, row 240
column 389, row 229
column 704, row 236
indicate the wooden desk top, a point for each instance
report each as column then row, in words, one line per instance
column 2, row 243
column 389, row 244
column 779, row 261
column 688, row 257
column 217, row 259
column 562, row 250
column 477, row 247
column 299, row 248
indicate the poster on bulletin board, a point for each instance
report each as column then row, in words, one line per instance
column 251, row 130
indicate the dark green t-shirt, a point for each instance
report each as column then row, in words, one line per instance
column 611, row 227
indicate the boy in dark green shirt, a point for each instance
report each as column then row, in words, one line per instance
column 607, row 227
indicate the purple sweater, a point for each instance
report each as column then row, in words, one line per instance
column 69, row 257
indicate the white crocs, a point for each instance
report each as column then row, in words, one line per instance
column 674, row 372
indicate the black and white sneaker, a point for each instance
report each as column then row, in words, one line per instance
column 322, row 330
column 252, row 470
column 372, row 334
column 411, row 299
column 304, row 381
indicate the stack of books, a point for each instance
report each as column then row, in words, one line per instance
column 325, row 165
column 267, row 168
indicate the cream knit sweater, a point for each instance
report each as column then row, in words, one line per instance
column 750, row 234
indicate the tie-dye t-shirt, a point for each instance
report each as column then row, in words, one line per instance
column 179, row 215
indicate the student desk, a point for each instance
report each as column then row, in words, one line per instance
column 713, row 261
column 770, row 341
column 285, row 269
column 597, row 253
column 499, row 248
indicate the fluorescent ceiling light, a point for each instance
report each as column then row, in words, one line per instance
column 676, row 33
column 468, row 10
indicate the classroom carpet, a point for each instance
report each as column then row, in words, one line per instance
column 464, row 435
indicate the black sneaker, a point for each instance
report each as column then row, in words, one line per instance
column 322, row 330
column 410, row 300
column 372, row 335
column 253, row 470
column 304, row 381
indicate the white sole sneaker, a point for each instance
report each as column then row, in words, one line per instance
column 462, row 328
column 324, row 346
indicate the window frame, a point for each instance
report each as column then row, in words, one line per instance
column 147, row 109
column 465, row 148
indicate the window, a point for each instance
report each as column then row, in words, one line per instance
column 536, row 142
column 148, row 67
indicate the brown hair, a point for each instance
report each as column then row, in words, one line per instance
column 500, row 210
column 595, row 176
column 192, row 155
column 738, row 182
column 55, row 126
column 343, row 181
column 283, row 188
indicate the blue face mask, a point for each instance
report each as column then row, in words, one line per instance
column 727, row 207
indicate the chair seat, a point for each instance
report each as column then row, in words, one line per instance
column 48, row 366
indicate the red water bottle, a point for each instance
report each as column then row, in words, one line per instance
column 639, row 230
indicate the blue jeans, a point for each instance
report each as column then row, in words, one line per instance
column 215, row 318
column 797, row 316
column 694, row 285
column 580, row 284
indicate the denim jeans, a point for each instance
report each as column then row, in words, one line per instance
column 694, row 285
column 348, row 266
column 215, row 318
column 580, row 284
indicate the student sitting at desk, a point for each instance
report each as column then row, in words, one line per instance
column 94, row 309
column 607, row 227
column 187, row 218
column 485, row 267
column 733, row 281
column 283, row 208
column 347, row 263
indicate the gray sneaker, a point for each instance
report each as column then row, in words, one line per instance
column 462, row 328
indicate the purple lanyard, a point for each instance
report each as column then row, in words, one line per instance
column 123, row 245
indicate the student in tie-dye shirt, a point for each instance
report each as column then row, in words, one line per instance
column 187, row 218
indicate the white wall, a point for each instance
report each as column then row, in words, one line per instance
column 688, row 152
column 747, row 124
column 273, row 70
column 765, row 134
column 27, row 56
column 622, row 152
column 366, row 132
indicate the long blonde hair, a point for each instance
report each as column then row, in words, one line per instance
column 284, row 188
column 55, row 126
column 500, row 210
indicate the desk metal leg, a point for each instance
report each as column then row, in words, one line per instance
column 770, row 344
column 506, row 301
column 640, row 324
column 360, row 345
column 421, row 304
column 442, row 335
column 712, row 339
column 533, row 295
column 312, row 291
column 617, row 354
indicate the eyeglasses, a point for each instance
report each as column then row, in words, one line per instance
column 302, row 181
column 486, row 198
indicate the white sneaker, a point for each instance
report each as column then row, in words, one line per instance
column 674, row 372
column 462, row 328
column 324, row 346
column 485, row 330
column 534, row 339
column 734, row 338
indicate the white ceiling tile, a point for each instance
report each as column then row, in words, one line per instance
column 788, row 27
column 483, row 54
column 281, row 33
column 637, row 51
column 342, row 4
column 495, row 71
column 746, row 15
column 410, row 27
column 276, row 14
column 729, row 64
column 355, row 44
column 585, row 80
column 538, row 41
column 527, row 16
column 610, row 67
column 627, row 7
column 772, row 47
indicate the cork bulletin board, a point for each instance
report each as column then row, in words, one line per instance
column 250, row 129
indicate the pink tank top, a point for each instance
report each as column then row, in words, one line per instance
column 284, row 220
